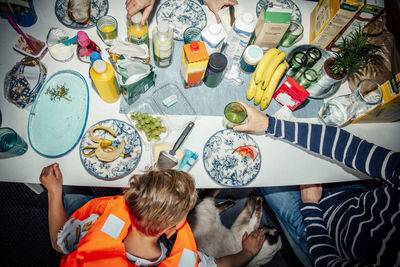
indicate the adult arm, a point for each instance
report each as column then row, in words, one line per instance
column 134, row 6
column 332, row 142
column 52, row 180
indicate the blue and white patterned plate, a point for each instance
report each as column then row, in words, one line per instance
column 227, row 168
column 181, row 14
column 296, row 15
column 121, row 166
column 98, row 9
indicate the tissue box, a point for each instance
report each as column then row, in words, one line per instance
column 329, row 17
column 389, row 109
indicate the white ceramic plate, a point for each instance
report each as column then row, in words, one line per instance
column 181, row 14
column 296, row 15
column 228, row 168
column 98, row 9
column 121, row 166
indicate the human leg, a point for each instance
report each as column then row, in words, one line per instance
column 285, row 201
column 72, row 202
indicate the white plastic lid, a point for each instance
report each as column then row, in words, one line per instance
column 215, row 28
column 137, row 17
column 99, row 66
column 253, row 54
column 163, row 27
column 245, row 22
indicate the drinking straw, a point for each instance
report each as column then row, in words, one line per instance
column 22, row 33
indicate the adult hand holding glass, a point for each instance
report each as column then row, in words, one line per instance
column 256, row 121
column 134, row 6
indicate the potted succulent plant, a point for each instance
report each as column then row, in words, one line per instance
column 351, row 55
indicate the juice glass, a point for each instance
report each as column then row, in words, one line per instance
column 234, row 114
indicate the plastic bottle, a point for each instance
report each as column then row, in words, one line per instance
column 239, row 35
column 103, row 77
column 163, row 44
column 85, row 46
column 213, row 37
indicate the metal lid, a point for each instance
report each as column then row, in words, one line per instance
column 217, row 62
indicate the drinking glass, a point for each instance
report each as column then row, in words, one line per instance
column 292, row 33
column 298, row 61
column 11, row 144
column 192, row 34
column 338, row 111
column 107, row 28
column 307, row 78
column 313, row 55
column 234, row 114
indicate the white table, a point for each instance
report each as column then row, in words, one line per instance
column 283, row 163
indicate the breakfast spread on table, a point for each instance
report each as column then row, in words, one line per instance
column 256, row 54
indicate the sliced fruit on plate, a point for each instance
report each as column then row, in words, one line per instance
column 247, row 151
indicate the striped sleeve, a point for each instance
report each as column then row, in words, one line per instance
column 340, row 145
column 320, row 245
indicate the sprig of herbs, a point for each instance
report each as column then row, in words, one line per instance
column 60, row 91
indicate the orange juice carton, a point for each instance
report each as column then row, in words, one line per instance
column 194, row 63
column 329, row 17
column 389, row 109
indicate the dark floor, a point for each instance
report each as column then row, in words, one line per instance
column 24, row 229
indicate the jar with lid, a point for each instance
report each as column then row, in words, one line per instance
column 216, row 66
column 251, row 56
column 163, row 44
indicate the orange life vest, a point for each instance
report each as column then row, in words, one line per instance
column 103, row 244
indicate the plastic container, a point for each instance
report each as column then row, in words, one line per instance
column 213, row 37
column 137, row 33
column 85, row 47
column 163, row 44
column 215, row 69
column 22, row 46
column 59, row 51
column 182, row 107
column 251, row 56
column 239, row 35
column 103, row 77
column 194, row 63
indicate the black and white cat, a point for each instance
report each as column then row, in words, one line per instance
column 214, row 239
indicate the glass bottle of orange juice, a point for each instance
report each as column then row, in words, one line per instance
column 138, row 33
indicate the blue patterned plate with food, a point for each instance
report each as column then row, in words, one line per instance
column 231, row 158
column 124, row 149
column 181, row 14
column 98, row 9
column 296, row 15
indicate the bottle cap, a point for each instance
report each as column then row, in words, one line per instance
column 163, row 27
column 217, row 62
column 215, row 28
column 94, row 56
column 253, row 54
column 194, row 45
column 137, row 17
column 83, row 38
column 99, row 66
column 247, row 18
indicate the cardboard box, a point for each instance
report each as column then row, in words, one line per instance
column 389, row 109
column 329, row 17
column 271, row 25
column 367, row 14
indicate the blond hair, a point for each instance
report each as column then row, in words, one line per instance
column 160, row 199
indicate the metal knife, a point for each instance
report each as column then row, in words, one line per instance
column 232, row 14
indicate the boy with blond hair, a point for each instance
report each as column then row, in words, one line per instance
column 144, row 227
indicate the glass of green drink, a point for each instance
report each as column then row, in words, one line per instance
column 234, row 114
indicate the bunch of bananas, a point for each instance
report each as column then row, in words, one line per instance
column 266, row 77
